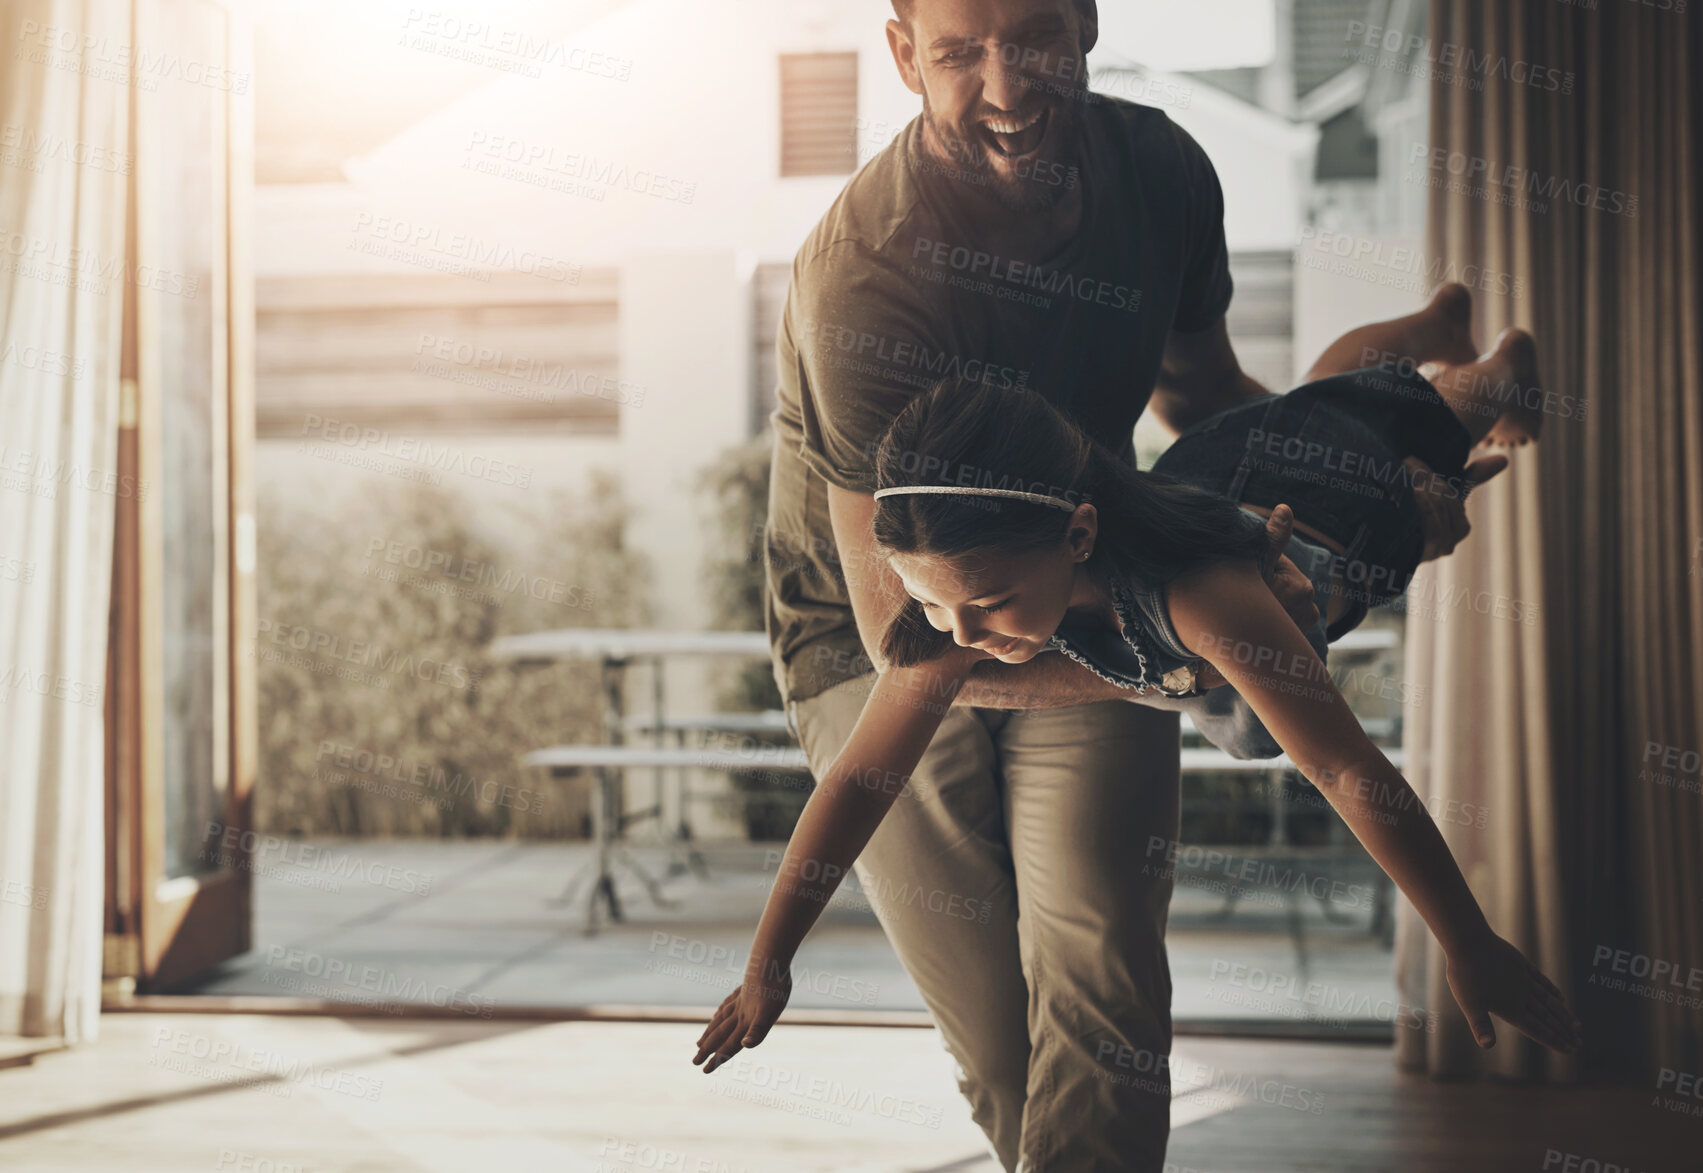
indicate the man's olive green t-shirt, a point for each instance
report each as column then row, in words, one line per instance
column 912, row 276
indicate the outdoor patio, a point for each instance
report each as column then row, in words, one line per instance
column 479, row 924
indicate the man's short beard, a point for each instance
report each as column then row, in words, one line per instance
column 968, row 160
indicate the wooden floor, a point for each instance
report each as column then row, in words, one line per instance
column 268, row 1094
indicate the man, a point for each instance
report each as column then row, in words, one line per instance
column 1026, row 232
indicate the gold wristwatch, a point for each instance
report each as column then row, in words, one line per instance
column 1178, row 681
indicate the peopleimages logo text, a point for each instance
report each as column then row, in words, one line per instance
column 1474, row 169
column 904, row 359
column 973, row 262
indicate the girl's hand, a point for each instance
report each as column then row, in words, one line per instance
column 1495, row 976
column 744, row 1017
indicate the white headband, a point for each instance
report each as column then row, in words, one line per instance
column 1037, row 498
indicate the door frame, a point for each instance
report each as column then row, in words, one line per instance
column 164, row 932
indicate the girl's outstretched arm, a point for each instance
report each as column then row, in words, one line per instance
column 899, row 719
column 1227, row 615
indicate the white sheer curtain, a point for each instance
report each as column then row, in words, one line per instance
column 64, row 151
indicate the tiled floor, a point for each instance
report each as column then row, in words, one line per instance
column 478, row 923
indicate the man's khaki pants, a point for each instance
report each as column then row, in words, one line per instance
column 1016, row 880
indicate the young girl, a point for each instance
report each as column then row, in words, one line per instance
column 1015, row 534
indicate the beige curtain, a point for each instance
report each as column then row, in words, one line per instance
column 64, row 147
column 1573, row 731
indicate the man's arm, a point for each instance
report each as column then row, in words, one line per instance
column 1199, row 376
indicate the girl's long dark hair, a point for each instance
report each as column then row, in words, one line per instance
column 964, row 433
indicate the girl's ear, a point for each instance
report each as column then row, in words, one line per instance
column 1083, row 533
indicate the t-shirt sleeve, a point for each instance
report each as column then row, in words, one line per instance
column 856, row 336
column 1206, row 285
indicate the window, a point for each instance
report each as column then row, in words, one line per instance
column 818, row 114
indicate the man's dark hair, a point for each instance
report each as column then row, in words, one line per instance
column 905, row 9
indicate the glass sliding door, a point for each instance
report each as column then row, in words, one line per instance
column 188, row 731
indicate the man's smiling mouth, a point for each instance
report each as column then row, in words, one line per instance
column 1012, row 138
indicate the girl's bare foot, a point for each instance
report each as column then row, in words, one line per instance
column 1439, row 333
column 1445, row 336
column 1498, row 397
column 1520, row 422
